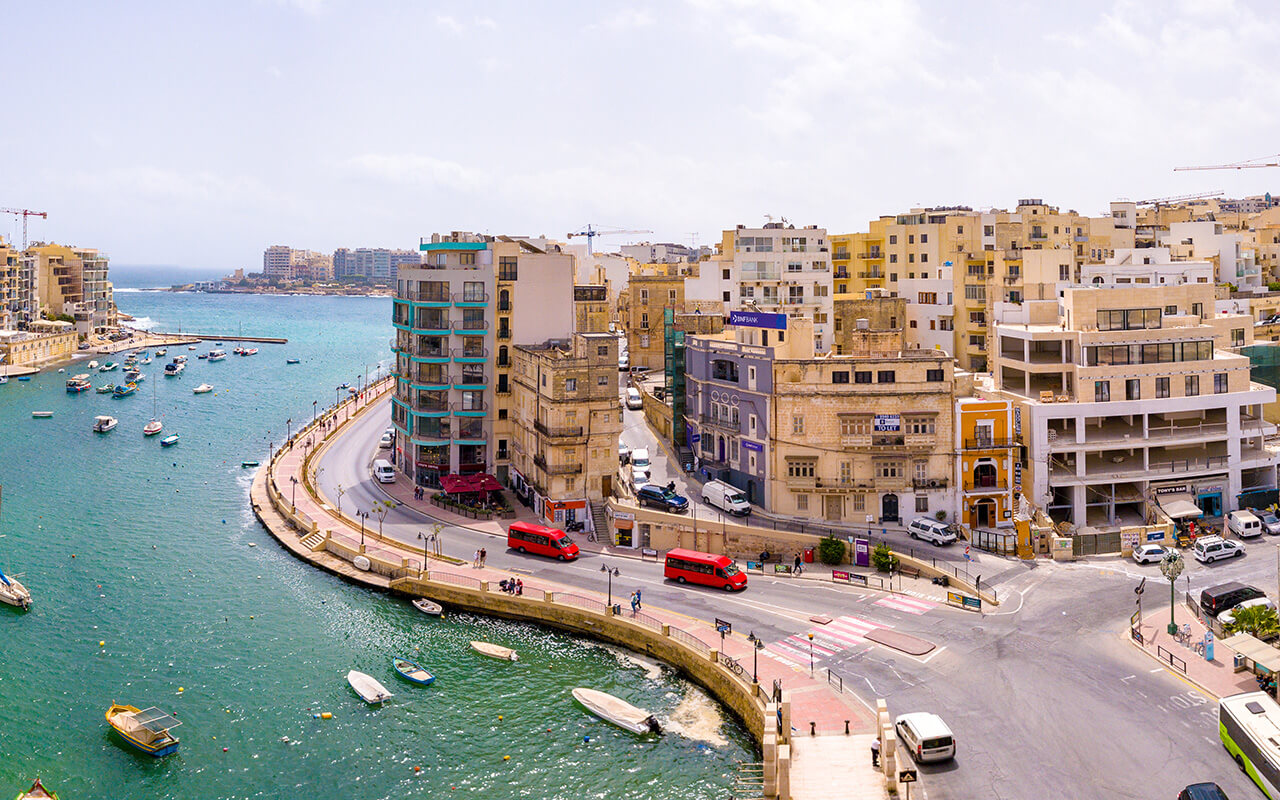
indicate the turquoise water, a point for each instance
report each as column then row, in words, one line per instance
column 148, row 550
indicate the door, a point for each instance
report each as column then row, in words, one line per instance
column 889, row 508
column 985, row 511
column 606, row 486
column 720, row 439
column 834, row 504
column 1210, row 504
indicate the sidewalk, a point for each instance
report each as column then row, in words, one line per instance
column 1216, row 678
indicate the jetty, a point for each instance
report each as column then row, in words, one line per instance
column 217, row 338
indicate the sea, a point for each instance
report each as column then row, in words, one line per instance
column 155, row 586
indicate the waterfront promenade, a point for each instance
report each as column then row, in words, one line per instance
column 316, row 529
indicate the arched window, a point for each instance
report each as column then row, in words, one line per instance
column 504, row 300
column 502, row 356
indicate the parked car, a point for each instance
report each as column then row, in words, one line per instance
column 1147, row 553
column 1203, row 791
column 1270, row 522
column 624, row 362
column 1217, row 599
column 1229, row 616
column 1244, row 524
column 386, row 441
column 624, row 453
column 634, row 401
column 925, row 736
column 730, row 499
column 640, row 459
column 639, row 477
column 930, row 530
column 661, row 497
column 1214, row 548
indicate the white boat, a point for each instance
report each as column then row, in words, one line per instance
column 368, row 688
column 203, row 388
column 495, row 651
column 14, row 593
column 191, row 347
column 152, row 428
column 179, row 359
column 427, row 607
column 93, row 365
column 41, row 414
column 618, row 711
column 217, row 355
column 104, row 424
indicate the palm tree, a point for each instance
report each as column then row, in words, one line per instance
column 1260, row 621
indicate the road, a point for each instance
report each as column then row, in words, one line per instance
column 1044, row 695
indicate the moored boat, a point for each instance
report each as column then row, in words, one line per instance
column 42, row 414
column 92, row 365
column 616, row 710
column 169, row 441
column 125, row 390
column 252, row 351
column 37, row 792
column 104, row 423
column 191, row 347
column 293, row 361
column 106, row 388
column 172, row 369
column 217, row 355
column 179, row 359
column 133, row 376
column 162, row 352
column 413, row 672
column 14, row 593
column 146, row 730
column 495, row 651
column 110, row 366
column 368, row 688
column 427, row 607
column 203, row 388
column 77, row 385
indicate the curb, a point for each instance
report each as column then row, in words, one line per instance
column 1209, row 692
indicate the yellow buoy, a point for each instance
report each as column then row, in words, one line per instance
column 180, row 689
column 326, row 715
column 506, row 758
column 102, row 644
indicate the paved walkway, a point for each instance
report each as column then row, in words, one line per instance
column 817, row 761
column 1216, row 677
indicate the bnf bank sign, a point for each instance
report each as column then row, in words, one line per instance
column 758, row 319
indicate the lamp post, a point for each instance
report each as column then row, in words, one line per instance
column 756, row 646
column 315, row 412
column 293, row 499
column 364, row 516
column 1171, row 567
column 811, row 655
column 611, row 572
column 289, row 430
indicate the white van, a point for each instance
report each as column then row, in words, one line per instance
column 383, row 471
column 640, row 460
column 925, row 736
column 633, row 398
column 729, row 499
column 930, row 530
column 1244, row 524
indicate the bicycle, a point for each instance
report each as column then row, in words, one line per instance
column 732, row 664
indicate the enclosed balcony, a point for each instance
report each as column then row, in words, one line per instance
column 432, row 323
column 563, row 432
column 474, row 408
column 471, row 354
column 540, row 461
column 471, row 299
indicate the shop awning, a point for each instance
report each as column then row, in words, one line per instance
column 462, row 484
column 1179, row 506
column 1254, row 649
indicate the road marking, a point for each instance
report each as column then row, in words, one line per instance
column 1127, row 679
column 907, row 604
column 1157, row 669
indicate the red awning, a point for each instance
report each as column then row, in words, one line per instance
column 461, row 484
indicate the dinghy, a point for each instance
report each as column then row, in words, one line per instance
column 427, row 607
column 616, row 710
column 411, row 671
column 37, row 792
column 368, row 688
column 495, row 651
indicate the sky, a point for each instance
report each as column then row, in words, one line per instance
column 199, row 133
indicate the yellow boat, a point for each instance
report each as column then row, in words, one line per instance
column 37, row 792
column 144, row 729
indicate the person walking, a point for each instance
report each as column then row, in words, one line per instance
column 875, row 752
column 475, row 560
column 483, row 556
column 635, row 604
column 639, row 599
column 799, row 564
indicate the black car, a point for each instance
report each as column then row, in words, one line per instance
column 662, row 497
column 1203, row 791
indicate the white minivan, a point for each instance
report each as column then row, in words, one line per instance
column 729, row 499
column 640, row 460
column 383, row 471
column 925, row 736
column 634, row 400
column 930, row 530
column 1244, row 524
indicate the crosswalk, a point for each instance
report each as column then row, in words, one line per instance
column 840, row 634
column 909, row 605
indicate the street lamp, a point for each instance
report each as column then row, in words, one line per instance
column 293, row 500
column 289, row 430
column 1171, row 567
column 364, row 516
column 811, row 655
column 612, row 573
column 757, row 645
column 315, row 412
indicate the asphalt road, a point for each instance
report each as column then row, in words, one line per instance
column 1046, row 698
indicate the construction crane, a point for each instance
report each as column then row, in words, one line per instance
column 591, row 233
column 24, row 213
column 1164, row 201
column 1253, row 163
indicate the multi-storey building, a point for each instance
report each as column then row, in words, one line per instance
column 650, row 291
column 567, row 420
column 856, row 316
column 783, row 269
column 930, row 309
column 988, row 462
column 592, row 310
column 344, row 263
column 663, row 253
column 1126, row 399
column 1209, row 241
column 42, row 342
column 277, row 262
column 18, row 298
column 72, row 281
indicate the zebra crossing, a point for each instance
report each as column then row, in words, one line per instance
column 910, row 605
column 840, row 634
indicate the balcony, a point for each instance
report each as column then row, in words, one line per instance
column 432, row 326
column 983, row 485
column 871, row 274
column 920, row 484
column 431, row 409
column 797, row 301
column 476, row 326
column 842, row 273
column 470, row 355
column 471, row 299
column 470, row 381
column 872, row 255
column 427, row 382
column 989, row 443
column 840, row 255
column 556, row 469
column 1013, row 277
column 718, row 422
column 427, row 299
column 1038, row 236
column 761, row 275
column 504, row 334
column 473, row 409
column 572, row 432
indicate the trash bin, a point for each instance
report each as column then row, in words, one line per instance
column 1237, row 663
column 808, row 555
column 617, row 609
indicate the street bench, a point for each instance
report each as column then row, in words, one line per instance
column 910, row 572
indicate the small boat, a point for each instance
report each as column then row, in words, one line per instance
column 238, row 350
column 427, row 607
column 344, row 386
column 104, row 424
column 152, row 428
column 495, row 651
column 125, row 390
column 77, row 385
column 93, row 365
column 248, row 464
column 252, row 351
column 110, row 366
column 23, row 378
column 180, row 359
column 142, row 354
column 203, row 356
column 37, row 792
column 144, row 729
column 14, row 593
column 618, row 711
column 169, row 441
column 217, row 355
column 61, row 370
column 133, row 376
column 106, row 388
column 191, row 347
column 203, row 388
column 368, row 688
column 4, row 379
column 293, row 361
column 410, row 671
column 162, row 352
column 146, row 360
column 170, row 370
column 41, row 414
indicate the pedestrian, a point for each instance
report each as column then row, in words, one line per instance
column 799, row 564
column 483, row 556
column 519, row 586
column 475, row 560
column 639, row 604
column 635, row 604
column 875, row 752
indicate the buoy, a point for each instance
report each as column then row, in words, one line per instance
column 417, row 769
column 102, row 644
column 586, row 739
column 499, row 718
column 326, row 715
column 506, row 758
column 180, row 690
column 224, row 749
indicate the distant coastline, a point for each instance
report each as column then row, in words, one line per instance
column 336, row 291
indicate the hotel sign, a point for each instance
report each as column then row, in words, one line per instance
column 887, row 422
column 758, row 319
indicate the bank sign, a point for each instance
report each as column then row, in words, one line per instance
column 890, row 423
column 758, row 319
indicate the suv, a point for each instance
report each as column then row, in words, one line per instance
column 930, row 531
column 1214, row 548
column 1202, row 791
column 662, row 497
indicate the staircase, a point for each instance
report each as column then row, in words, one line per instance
column 599, row 520
column 313, row 542
column 748, row 781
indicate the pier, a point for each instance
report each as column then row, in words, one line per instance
column 213, row 338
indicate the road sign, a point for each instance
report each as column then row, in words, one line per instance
column 967, row 557
column 1141, row 587
column 697, row 437
column 725, row 628
column 906, row 776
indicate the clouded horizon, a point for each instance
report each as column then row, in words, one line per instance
column 200, row 134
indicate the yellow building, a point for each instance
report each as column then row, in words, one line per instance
column 989, row 466
column 566, row 423
column 591, row 309
column 45, row 341
column 73, row 281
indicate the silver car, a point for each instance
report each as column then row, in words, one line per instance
column 1147, row 553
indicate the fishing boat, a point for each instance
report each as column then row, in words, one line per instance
column 180, row 359
column 14, row 593
column 495, row 651
column 106, row 388
column 191, row 347
column 125, row 390
column 133, row 376
column 162, row 352
column 173, row 369
column 412, row 672
column 93, row 365
column 77, row 385
column 248, row 464
column 203, row 388
column 293, row 361
column 427, row 607
column 252, row 351
column 37, row 792
column 217, row 355
column 155, row 425
column 344, row 386
column 41, row 414
column 202, row 356
column 103, row 424
column 144, row 729
column 23, row 378
column 368, row 688
column 618, row 711
column 110, row 366
column 169, row 441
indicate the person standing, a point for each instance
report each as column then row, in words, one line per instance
column 635, row 604
column 475, row 560
column 875, row 752
column 483, row 556
column 639, row 599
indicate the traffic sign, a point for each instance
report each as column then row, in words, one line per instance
column 967, row 557
column 907, row 776
column 723, row 627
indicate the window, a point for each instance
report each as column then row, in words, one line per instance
column 893, row 258
column 859, row 502
column 988, row 230
column 801, row 468
column 1220, row 383
column 911, row 238
column 1102, row 391
column 854, row 426
column 935, row 375
column 1237, row 337
column 840, row 376
column 602, row 380
column 1133, row 389
column 885, row 376
column 602, row 350
column 893, row 238
column 644, row 340
column 797, row 425
column 975, row 292
column 507, row 268
column 922, row 503
column 911, row 258
column 1162, row 387
column 671, row 297
column 927, row 298
column 893, row 277
column 644, row 321
column 846, row 473
column 889, row 469
column 959, row 230
column 802, row 502
column 1170, row 311
column 467, row 259
column 979, row 342
column 1191, row 386
column 794, row 266
column 473, row 291
column 919, row 425
column 644, row 297
column 924, row 258
column 924, row 238
column 722, row 370
column 1129, row 319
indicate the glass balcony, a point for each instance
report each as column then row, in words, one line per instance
column 477, row 326
column 470, row 355
column 471, row 299
column 472, row 409
column 423, row 299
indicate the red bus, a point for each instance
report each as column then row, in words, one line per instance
column 529, row 538
column 690, row 566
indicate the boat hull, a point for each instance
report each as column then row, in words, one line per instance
column 427, row 607
column 616, row 711
column 495, row 651
column 370, row 691
column 406, row 669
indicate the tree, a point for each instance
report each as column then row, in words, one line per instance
column 1260, row 621
column 830, row 550
column 882, row 558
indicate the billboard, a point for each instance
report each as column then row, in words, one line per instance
column 758, row 319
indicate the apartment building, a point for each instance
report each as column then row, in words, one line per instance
column 457, row 315
column 663, row 253
column 18, row 298
column 277, row 262
column 72, row 281
column 988, row 462
column 567, row 419
column 930, row 309
column 1206, row 240
column 856, row 316
column 592, row 311
column 863, row 436
column 1126, row 400
column 782, row 269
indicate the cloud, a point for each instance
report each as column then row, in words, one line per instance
column 486, row 22
column 416, row 170
column 449, row 24
column 305, row 6
column 625, row 19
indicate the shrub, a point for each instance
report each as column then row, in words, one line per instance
column 882, row 558
column 942, row 516
column 830, row 550
column 1260, row 621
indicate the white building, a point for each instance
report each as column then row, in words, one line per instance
column 783, row 269
column 930, row 309
column 1207, row 241
column 1147, row 266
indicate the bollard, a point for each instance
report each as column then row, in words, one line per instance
column 813, row 728
column 846, row 727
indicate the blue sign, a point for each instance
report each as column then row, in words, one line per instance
column 887, row 422
column 758, row 319
column 696, row 437
column 1155, row 536
column 747, row 444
